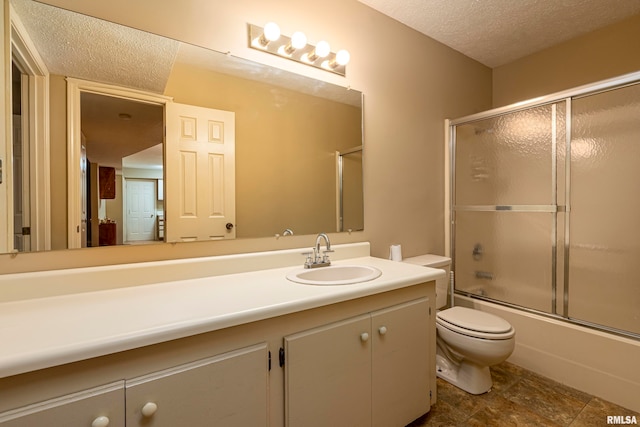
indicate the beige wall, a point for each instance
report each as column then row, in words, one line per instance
column 602, row 54
column 410, row 82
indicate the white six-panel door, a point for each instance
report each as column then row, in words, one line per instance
column 141, row 210
column 200, row 173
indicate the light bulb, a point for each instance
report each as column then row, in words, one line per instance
column 322, row 49
column 343, row 57
column 271, row 31
column 298, row 40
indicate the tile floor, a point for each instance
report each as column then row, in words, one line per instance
column 519, row 398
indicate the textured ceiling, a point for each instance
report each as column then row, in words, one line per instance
column 496, row 32
column 76, row 45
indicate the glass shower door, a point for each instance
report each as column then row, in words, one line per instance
column 505, row 211
column 604, row 262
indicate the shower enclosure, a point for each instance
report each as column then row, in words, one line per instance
column 350, row 197
column 545, row 205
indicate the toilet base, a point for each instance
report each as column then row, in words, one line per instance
column 468, row 376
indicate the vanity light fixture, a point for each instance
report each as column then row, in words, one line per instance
column 296, row 48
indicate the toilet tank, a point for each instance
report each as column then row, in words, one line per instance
column 442, row 284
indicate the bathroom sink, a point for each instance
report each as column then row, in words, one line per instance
column 334, row 275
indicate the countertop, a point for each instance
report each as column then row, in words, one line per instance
column 45, row 332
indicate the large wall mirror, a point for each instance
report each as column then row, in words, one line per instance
column 94, row 172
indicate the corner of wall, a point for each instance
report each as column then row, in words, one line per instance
column 601, row 54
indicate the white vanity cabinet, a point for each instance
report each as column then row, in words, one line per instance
column 372, row 369
column 226, row 390
column 101, row 406
column 205, row 352
column 229, row 389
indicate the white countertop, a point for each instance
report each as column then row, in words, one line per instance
column 45, row 332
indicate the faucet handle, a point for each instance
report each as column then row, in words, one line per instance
column 309, row 260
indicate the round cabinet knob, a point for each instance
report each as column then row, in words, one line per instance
column 229, row 226
column 382, row 330
column 364, row 336
column 100, row 422
column 149, row 409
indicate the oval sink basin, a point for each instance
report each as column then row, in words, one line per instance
column 334, row 275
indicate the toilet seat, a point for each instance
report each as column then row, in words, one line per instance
column 475, row 323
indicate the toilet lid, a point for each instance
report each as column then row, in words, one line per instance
column 474, row 320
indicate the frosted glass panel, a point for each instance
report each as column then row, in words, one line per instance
column 604, row 264
column 506, row 160
column 506, row 256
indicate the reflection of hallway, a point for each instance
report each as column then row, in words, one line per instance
column 124, row 136
column 133, row 216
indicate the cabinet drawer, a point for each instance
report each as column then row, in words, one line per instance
column 98, row 406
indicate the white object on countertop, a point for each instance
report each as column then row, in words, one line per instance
column 395, row 253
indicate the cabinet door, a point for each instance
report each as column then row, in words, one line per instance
column 328, row 375
column 98, row 407
column 400, row 358
column 225, row 390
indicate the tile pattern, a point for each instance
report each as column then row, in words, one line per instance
column 519, row 398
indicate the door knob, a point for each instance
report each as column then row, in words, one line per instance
column 229, row 226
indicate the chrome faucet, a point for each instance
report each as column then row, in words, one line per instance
column 315, row 258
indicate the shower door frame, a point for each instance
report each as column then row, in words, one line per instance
column 565, row 97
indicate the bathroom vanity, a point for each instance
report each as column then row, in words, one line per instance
column 241, row 348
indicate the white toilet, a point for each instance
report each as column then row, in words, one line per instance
column 468, row 341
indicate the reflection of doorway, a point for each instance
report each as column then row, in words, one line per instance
column 140, row 210
column 21, row 241
column 21, row 160
column 123, row 134
column 27, row 196
column 203, row 175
